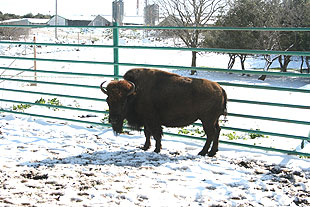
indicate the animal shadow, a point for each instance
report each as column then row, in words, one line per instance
column 129, row 158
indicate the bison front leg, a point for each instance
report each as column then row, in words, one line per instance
column 158, row 144
column 147, row 143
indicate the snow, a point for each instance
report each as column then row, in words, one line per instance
column 52, row 164
column 56, row 163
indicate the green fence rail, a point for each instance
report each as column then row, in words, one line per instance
column 116, row 64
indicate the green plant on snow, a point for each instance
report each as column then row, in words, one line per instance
column 105, row 119
column 192, row 130
column 54, row 102
column 40, row 101
column 183, row 131
column 21, row 107
column 256, row 135
column 232, row 136
column 304, row 157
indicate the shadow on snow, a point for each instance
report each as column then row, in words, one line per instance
column 124, row 158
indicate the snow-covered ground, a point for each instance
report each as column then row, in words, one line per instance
column 52, row 163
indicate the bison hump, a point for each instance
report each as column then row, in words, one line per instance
column 184, row 79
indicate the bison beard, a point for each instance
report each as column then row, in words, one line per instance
column 152, row 98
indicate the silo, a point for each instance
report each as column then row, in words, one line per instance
column 118, row 11
column 151, row 14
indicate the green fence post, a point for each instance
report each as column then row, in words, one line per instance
column 115, row 44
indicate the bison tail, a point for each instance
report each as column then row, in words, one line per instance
column 224, row 103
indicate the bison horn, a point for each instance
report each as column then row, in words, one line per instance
column 133, row 88
column 102, row 88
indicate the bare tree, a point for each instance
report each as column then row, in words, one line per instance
column 190, row 13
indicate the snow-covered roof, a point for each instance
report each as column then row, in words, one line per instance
column 12, row 20
column 25, row 21
column 137, row 20
column 133, row 20
column 81, row 17
column 37, row 21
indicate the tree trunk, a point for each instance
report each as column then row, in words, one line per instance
column 242, row 60
column 280, row 62
column 286, row 61
column 262, row 77
column 267, row 66
column 194, row 62
column 268, row 63
column 232, row 58
column 302, row 63
column 307, row 63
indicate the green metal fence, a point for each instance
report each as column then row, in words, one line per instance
column 97, row 98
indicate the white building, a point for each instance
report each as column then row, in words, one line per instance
column 60, row 21
column 100, row 21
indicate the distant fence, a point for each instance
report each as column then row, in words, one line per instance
column 115, row 64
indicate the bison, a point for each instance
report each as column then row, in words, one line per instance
column 152, row 98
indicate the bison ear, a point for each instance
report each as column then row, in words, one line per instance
column 133, row 88
column 102, row 88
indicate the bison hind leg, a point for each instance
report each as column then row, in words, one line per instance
column 215, row 144
column 155, row 131
column 212, row 130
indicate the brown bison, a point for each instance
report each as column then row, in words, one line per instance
column 152, row 98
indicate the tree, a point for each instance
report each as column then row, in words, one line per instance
column 291, row 13
column 241, row 13
column 29, row 15
column 265, row 13
column 191, row 13
column 7, row 16
column 298, row 16
column 269, row 40
column 38, row 16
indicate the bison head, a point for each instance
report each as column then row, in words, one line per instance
column 117, row 92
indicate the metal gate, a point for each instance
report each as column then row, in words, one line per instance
column 20, row 84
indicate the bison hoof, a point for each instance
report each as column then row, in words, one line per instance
column 157, row 150
column 211, row 154
column 144, row 148
column 202, row 153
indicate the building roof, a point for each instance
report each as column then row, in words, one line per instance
column 128, row 20
column 136, row 20
column 28, row 20
column 11, row 20
column 37, row 21
column 81, row 17
column 58, row 17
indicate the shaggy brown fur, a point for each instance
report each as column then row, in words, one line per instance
column 152, row 98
